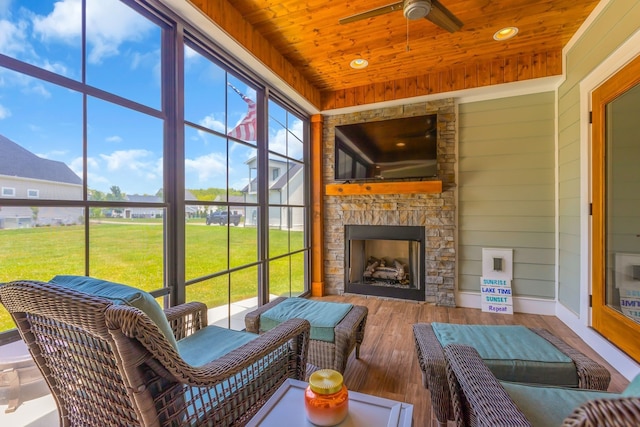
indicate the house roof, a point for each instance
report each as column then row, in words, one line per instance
column 18, row 162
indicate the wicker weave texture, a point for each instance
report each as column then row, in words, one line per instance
column 111, row 365
column 431, row 359
column 349, row 334
column 480, row 400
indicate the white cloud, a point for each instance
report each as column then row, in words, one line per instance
column 13, row 37
column 109, row 24
column 211, row 123
column 128, row 160
column 37, row 89
column 278, row 140
column 4, row 112
column 114, row 138
column 207, row 167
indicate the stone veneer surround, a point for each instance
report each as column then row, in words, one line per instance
column 435, row 211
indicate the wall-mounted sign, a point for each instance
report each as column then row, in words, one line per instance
column 496, row 296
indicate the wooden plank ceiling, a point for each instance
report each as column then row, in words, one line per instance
column 303, row 42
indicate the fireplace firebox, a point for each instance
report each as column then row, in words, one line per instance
column 385, row 260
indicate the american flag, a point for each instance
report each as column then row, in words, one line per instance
column 246, row 129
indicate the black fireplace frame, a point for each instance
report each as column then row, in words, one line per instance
column 386, row 232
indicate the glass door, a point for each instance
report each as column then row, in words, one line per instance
column 616, row 209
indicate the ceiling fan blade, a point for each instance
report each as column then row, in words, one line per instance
column 373, row 12
column 442, row 17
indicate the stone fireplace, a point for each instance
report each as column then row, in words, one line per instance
column 434, row 212
column 385, row 260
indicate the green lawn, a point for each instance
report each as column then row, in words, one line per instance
column 130, row 252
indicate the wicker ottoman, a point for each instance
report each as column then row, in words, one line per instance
column 348, row 334
column 589, row 374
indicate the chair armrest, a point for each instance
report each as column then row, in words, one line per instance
column 477, row 396
column 186, row 319
column 617, row 412
column 591, row 374
column 252, row 320
column 434, row 370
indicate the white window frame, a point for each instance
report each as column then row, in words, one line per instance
column 33, row 193
column 8, row 192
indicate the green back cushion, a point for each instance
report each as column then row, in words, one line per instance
column 549, row 406
column 633, row 389
column 120, row 294
column 513, row 353
column 323, row 316
column 215, row 341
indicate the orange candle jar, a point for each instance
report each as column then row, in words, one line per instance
column 326, row 399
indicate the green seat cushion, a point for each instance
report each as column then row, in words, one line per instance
column 323, row 316
column 210, row 343
column 120, row 294
column 513, row 353
column 549, row 406
column 633, row 389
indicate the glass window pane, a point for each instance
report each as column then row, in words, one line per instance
column 244, row 292
column 298, row 263
column 241, row 108
column 296, row 229
column 280, row 277
column 125, row 151
column 40, row 140
column 278, row 236
column 204, row 91
column 215, row 294
column 31, row 242
column 206, row 249
column 44, row 33
column 119, row 38
column 277, row 128
column 243, row 167
column 139, row 261
column 243, row 245
column 294, row 139
column 205, row 162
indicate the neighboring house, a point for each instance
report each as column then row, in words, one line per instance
column 286, row 187
column 24, row 175
column 153, row 211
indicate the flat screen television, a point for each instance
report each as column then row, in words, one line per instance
column 393, row 149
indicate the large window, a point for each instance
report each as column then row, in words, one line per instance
column 145, row 156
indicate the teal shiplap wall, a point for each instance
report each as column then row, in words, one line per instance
column 507, row 191
column 618, row 21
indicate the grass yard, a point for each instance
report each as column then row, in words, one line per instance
column 132, row 253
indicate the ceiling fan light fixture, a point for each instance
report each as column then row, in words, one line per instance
column 416, row 9
column 359, row 63
column 505, row 34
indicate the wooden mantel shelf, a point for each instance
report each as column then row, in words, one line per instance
column 404, row 187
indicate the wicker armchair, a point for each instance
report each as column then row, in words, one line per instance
column 431, row 358
column 109, row 364
column 479, row 399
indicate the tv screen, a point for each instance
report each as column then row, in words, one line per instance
column 388, row 149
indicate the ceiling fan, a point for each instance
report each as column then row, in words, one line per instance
column 432, row 10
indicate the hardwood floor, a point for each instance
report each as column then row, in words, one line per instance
column 388, row 366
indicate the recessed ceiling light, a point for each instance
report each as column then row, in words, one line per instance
column 505, row 33
column 400, row 144
column 359, row 63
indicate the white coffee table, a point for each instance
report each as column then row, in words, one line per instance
column 286, row 408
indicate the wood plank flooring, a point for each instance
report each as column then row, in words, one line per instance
column 388, row 366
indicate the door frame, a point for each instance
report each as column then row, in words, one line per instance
column 612, row 324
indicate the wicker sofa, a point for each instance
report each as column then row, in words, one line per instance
column 479, row 399
column 109, row 363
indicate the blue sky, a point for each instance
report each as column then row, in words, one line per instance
column 123, row 57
